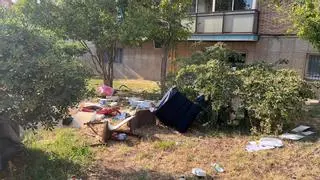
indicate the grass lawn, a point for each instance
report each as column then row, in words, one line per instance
column 50, row 155
column 134, row 85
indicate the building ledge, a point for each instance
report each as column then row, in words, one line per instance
column 223, row 37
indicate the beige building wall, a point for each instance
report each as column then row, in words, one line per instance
column 140, row 63
column 269, row 49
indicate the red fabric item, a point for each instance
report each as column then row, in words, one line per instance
column 109, row 111
column 105, row 111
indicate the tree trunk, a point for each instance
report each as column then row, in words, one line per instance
column 106, row 66
column 164, row 63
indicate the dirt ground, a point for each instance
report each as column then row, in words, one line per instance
column 163, row 153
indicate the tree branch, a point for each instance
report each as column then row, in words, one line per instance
column 94, row 58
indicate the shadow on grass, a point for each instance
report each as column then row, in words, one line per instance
column 36, row 164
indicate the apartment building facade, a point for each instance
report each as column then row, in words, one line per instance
column 251, row 27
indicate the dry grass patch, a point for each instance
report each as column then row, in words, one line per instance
column 168, row 155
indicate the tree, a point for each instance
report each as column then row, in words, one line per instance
column 102, row 22
column 39, row 78
column 305, row 17
column 168, row 17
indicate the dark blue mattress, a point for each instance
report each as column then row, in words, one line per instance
column 176, row 111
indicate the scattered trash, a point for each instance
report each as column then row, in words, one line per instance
column 109, row 111
column 264, row 144
column 300, row 132
column 121, row 116
column 141, row 104
column 75, row 178
column 134, row 101
column 90, row 107
column 182, row 178
column 217, row 167
column 121, row 136
column 275, row 142
column 106, row 90
column 291, row 136
column 199, row 172
column 103, row 102
column 300, row 128
column 308, row 133
column 109, row 100
column 67, row 121
column 113, row 104
column 176, row 110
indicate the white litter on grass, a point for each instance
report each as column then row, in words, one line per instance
column 291, row 136
column 308, row 133
column 275, row 142
column 300, row 128
column 141, row 104
column 264, row 144
column 199, row 172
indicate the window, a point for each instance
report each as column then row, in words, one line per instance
column 157, row 44
column 242, row 4
column 204, row 6
column 193, row 6
column 223, row 5
column 119, row 56
column 233, row 5
column 313, row 67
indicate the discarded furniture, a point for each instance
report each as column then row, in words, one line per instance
column 142, row 118
column 176, row 110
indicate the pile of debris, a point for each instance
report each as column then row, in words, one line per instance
column 113, row 112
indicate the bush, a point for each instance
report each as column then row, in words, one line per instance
column 38, row 79
column 269, row 98
column 215, row 80
column 272, row 97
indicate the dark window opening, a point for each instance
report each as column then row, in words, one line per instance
column 223, row 5
column 313, row 70
column 233, row 5
column 157, row 44
column 119, row 56
column 193, row 6
column 242, row 4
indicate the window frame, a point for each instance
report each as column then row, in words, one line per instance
column 214, row 7
column 306, row 69
column 233, row 6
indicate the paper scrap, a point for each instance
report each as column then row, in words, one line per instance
column 300, row 128
column 291, row 136
column 308, row 133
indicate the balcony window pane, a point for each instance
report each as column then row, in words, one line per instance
column 242, row 4
column 193, row 6
column 204, row 6
column 223, row 5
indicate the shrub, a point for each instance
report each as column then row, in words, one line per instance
column 272, row 97
column 269, row 98
column 215, row 80
column 38, row 79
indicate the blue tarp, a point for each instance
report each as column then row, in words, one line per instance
column 176, row 111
